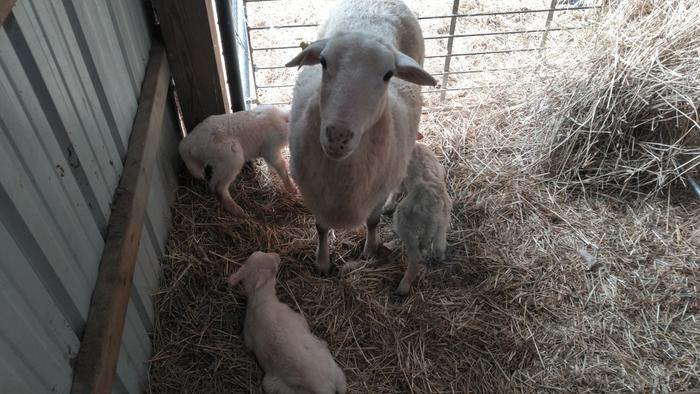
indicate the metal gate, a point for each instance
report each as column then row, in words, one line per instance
column 468, row 47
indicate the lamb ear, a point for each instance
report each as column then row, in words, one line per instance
column 236, row 277
column 278, row 261
column 261, row 281
column 409, row 70
column 310, row 55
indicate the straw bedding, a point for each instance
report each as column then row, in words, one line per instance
column 544, row 289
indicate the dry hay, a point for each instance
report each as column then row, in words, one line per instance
column 537, row 293
column 624, row 115
column 542, row 291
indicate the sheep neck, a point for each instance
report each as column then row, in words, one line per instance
column 263, row 294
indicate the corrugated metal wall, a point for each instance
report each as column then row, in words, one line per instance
column 70, row 77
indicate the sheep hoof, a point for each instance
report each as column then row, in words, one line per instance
column 322, row 269
column 369, row 252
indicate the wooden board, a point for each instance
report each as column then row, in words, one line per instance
column 5, row 8
column 99, row 349
column 189, row 33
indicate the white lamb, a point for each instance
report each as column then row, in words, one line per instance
column 422, row 217
column 353, row 126
column 223, row 143
column 294, row 360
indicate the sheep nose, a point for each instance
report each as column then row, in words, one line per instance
column 338, row 135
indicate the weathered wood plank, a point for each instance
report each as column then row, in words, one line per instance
column 195, row 57
column 5, row 8
column 142, row 290
column 99, row 350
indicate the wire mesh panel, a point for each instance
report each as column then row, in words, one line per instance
column 469, row 46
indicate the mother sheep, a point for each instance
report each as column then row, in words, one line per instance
column 354, row 118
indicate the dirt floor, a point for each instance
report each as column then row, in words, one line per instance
column 543, row 289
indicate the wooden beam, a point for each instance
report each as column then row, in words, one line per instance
column 99, row 350
column 5, row 8
column 190, row 35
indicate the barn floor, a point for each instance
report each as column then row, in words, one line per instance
column 540, row 292
column 543, row 290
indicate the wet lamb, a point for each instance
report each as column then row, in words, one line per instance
column 355, row 115
column 421, row 219
column 294, row 360
column 221, row 144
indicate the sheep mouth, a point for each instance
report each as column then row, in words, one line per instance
column 336, row 154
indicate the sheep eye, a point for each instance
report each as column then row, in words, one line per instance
column 388, row 76
column 323, row 62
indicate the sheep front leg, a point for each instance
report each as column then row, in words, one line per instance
column 370, row 249
column 323, row 261
column 412, row 270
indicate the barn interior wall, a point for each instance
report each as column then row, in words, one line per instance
column 70, row 80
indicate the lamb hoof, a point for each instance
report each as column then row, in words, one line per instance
column 389, row 211
column 349, row 267
column 239, row 213
column 391, row 245
column 291, row 189
column 403, row 289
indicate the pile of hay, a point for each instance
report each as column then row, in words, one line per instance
column 622, row 114
column 542, row 291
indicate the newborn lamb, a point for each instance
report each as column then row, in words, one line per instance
column 294, row 360
column 422, row 217
column 221, row 144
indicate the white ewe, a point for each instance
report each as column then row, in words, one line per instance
column 294, row 360
column 353, row 125
column 223, row 143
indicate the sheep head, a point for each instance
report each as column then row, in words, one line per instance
column 357, row 69
column 257, row 270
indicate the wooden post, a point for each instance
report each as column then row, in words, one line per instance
column 97, row 358
column 5, row 8
column 189, row 32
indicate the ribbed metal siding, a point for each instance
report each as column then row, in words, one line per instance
column 70, row 77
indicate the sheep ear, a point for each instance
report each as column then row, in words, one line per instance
column 310, row 55
column 409, row 70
